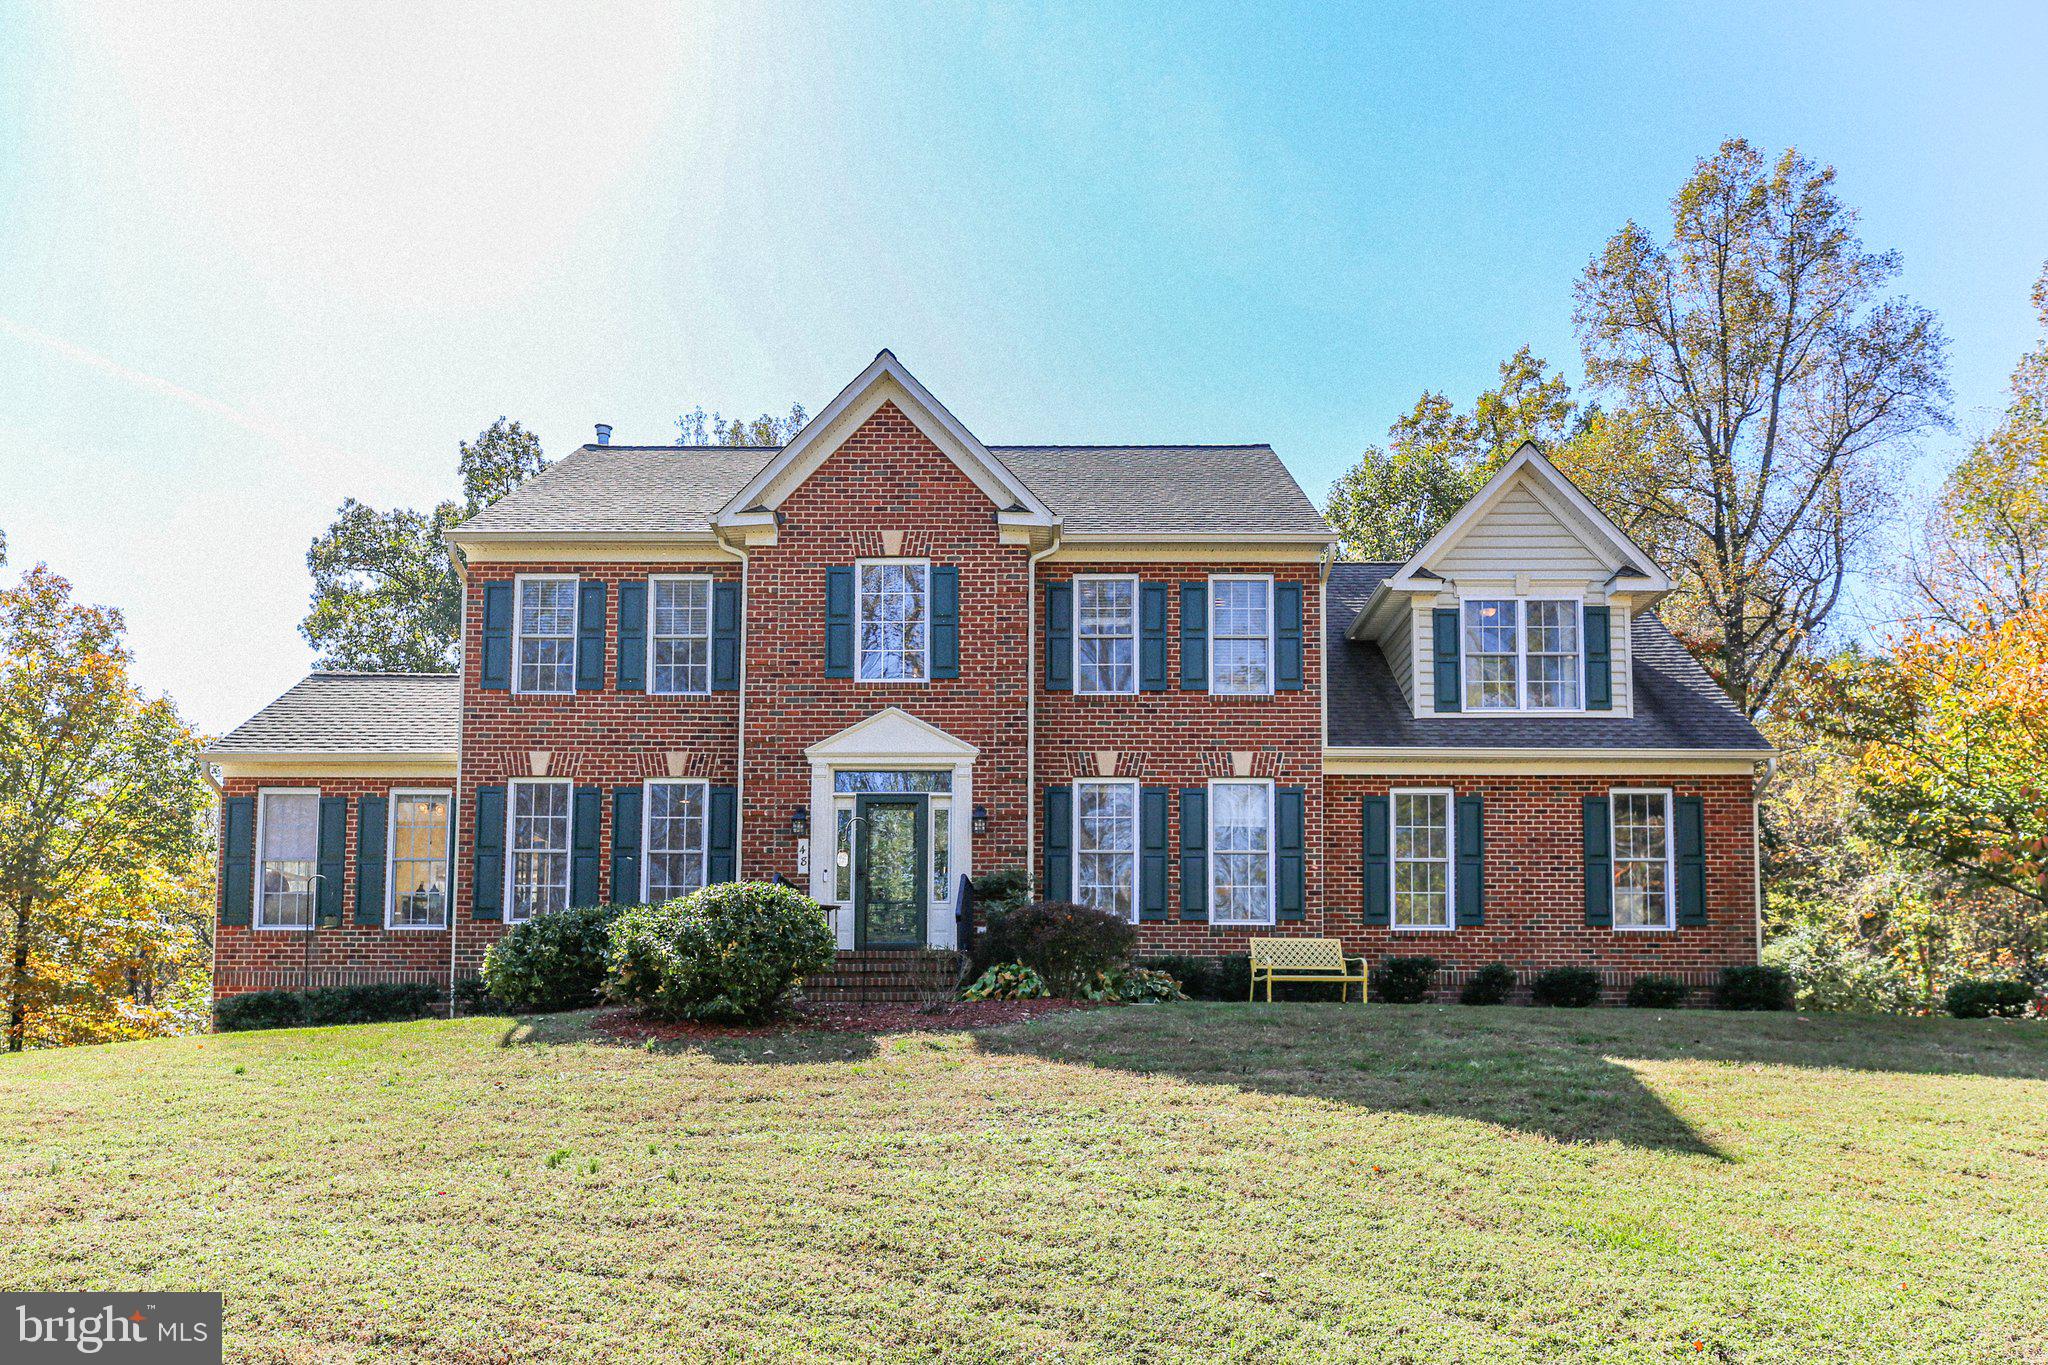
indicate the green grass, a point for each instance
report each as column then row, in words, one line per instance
column 1177, row 1182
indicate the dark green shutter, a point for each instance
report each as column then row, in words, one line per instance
column 1287, row 664
column 1690, row 815
column 1444, row 641
column 625, row 845
column 1599, row 661
column 590, row 623
column 1194, row 849
column 725, row 637
column 1152, row 637
column 1471, row 854
column 494, row 674
column 237, row 858
column 1375, row 860
column 333, row 865
column 723, row 863
column 1153, row 854
column 487, row 856
column 586, row 844
column 1599, row 865
column 371, row 827
column 633, row 635
column 839, row 622
column 945, row 621
column 1194, row 642
column 1058, row 843
column 1291, row 845
column 1059, row 637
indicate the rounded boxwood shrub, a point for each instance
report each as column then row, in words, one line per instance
column 727, row 952
column 554, row 961
column 1404, row 980
column 1489, row 985
column 1754, row 988
column 1067, row 944
column 1656, row 991
column 1569, row 988
column 2004, row 998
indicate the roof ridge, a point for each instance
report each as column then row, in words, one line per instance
column 380, row 673
column 1140, row 445
column 670, row 445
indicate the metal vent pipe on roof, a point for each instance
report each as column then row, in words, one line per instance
column 604, row 433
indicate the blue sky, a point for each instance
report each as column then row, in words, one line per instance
column 256, row 259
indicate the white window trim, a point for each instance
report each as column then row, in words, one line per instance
column 1450, row 859
column 710, row 629
column 1137, row 833
column 391, row 799
column 512, row 850
column 647, row 826
column 1137, row 630
column 859, row 592
column 1521, row 601
column 1272, row 632
column 1670, row 923
column 256, row 915
column 519, row 582
column 1272, row 852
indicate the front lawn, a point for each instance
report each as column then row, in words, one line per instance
column 1171, row 1182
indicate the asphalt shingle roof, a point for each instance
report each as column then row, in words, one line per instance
column 354, row 713
column 1103, row 490
column 1677, row 706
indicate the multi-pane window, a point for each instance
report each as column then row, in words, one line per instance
column 1552, row 644
column 1642, row 859
column 1240, row 853
column 891, row 616
column 419, row 860
column 1105, row 635
column 936, row 785
column 547, row 634
column 677, row 839
column 1422, row 860
column 1522, row 655
column 679, row 629
column 942, row 861
column 287, row 857
column 1241, row 635
column 539, row 848
column 1492, row 655
column 1106, row 846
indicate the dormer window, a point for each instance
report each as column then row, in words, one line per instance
column 1522, row 654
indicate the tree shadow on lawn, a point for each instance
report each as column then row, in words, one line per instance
column 763, row 1047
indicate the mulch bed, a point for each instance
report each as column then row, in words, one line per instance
column 627, row 1026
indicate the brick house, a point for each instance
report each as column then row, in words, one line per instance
column 886, row 656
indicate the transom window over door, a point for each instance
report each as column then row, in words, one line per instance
column 419, row 860
column 547, row 634
column 1241, row 633
column 1421, row 847
column 1105, row 635
column 677, row 838
column 1642, row 859
column 679, row 625
column 539, row 848
column 1241, row 853
column 891, row 614
column 287, row 858
column 1106, row 846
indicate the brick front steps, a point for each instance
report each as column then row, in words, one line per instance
column 886, row 976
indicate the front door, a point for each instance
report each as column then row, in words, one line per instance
column 892, row 870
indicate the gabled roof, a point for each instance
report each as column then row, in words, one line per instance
column 1676, row 705
column 1241, row 490
column 624, row 490
column 351, row 714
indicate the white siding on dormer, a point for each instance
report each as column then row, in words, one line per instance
column 1520, row 535
column 1415, row 666
column 1397, row 642
column 1618, row 650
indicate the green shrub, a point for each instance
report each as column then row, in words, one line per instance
column 1210, row 978
column 1404, row 980
column 1489, row 986
column 1132, row 986
column 1834, row 972
column 1063, row 942
column 554, row 961
column 1570, row 988
column 259, row 1009
column 1656, row 991
column 1007, row 981
column 472, row 996
column 1001, row 891
column 374, row 1003
column 727, row 952
column 1753, row 988
column 2004, row 998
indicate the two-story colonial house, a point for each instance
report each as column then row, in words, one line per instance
column 886, row 656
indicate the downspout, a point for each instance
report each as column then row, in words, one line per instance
column 1756, row 842
column 1031, row 703
column 739, row 798
column 461, row 567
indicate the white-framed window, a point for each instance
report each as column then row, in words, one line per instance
column 544, row 633
column 679, row 634
column 1106, row 847
column 1241, row 635
column 287, row 857
column 1642, row 847
column 1240, row 852
column 936, row 785
column 676, row 839
column 1422, row 866
column 416, row 861
column 537, row 840
column 1523, row 654
column 892, row 620
column 1105, row 634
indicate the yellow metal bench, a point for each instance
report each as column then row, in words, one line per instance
column 1304, row 959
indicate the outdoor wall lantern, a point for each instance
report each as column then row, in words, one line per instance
column 981, row 819
column 799, row 822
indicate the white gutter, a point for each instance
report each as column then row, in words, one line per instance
column 739, row 798
column 1031, row 704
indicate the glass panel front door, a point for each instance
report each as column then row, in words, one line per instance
column 893, row 870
